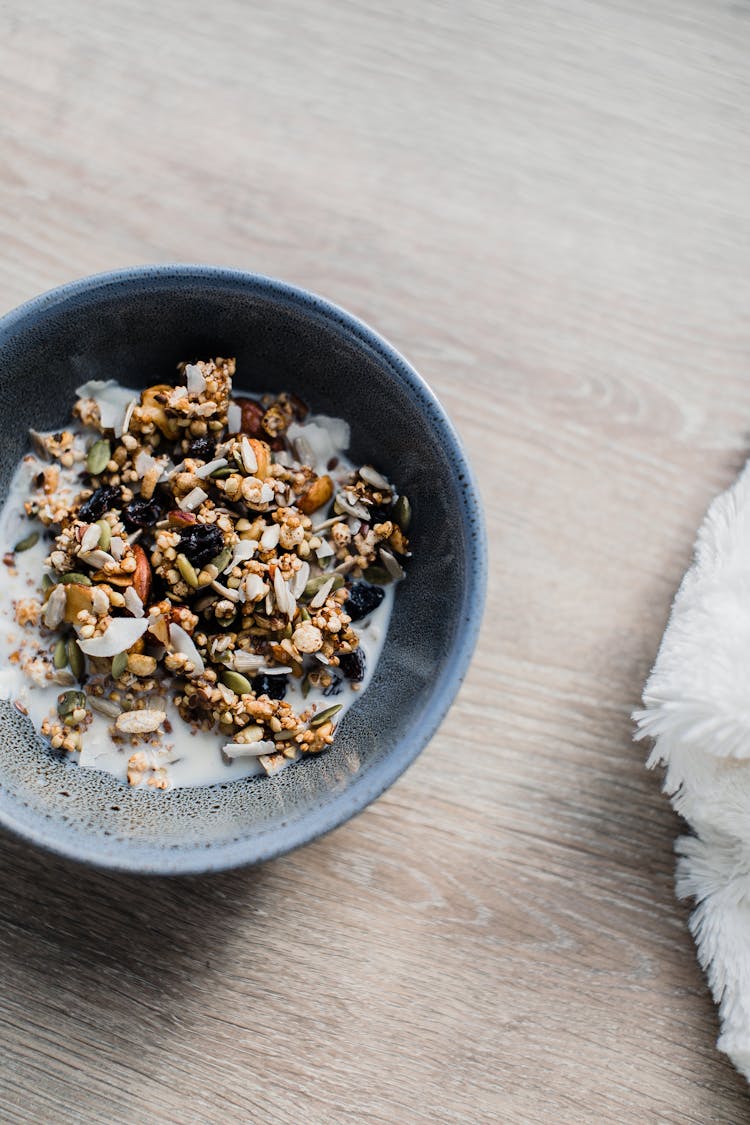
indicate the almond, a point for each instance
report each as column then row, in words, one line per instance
column 316, row 495
column 252, row 416
column 178, row 518
column 142, row 573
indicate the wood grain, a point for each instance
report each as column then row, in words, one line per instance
column 545, row 206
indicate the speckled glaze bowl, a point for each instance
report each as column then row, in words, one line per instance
column 134, row 325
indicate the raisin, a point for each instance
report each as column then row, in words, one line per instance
column 141, row 513
column 335, row 686
column 99, row 502
column 202, row 449
column 352, row 664
column 201, row 543
column 363, row 599
column 272, row 686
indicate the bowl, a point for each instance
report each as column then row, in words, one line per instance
column 134, row 325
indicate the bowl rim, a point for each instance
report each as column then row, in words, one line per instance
column 366, row 788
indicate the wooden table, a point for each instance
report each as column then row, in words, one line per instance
column 545, row 206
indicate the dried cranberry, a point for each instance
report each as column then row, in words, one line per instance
column 272, row 686
column 201, row 543
column 141, row 513
column 99, row 502
column 202, row 449
column 363, row 599
column 352, row 664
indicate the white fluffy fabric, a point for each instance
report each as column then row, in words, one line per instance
column 697, row 711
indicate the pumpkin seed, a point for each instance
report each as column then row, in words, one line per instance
column 75, row 658
column 236, row 682
column 60, row 655
column 402, row 512
column 319, row 580
column 105, row 535
column 30, row 541
column 377, row 575
column 222, row 473
column 69, row 702
column 306, row 685
column 324, row 716
column 47, row 583
column 98, row 457
column 187, row 570
column 305, row 615
column 222, row 559
column 76, row 578
column 119, row 665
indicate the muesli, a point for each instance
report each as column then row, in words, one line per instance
column 200, row 584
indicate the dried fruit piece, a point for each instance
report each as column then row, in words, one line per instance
column 201, row 543
column 141, row 513
column 252, row 416
column 103, row 500
column 352, row 664
column 273, row 686
column 363, row 599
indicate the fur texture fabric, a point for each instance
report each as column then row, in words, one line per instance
column 696, row 708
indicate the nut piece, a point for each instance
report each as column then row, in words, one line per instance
column 307, row 637
column 141, row 665
column 262, row 452
column 152, row 410
column 318, row 494
column 142, row 573
column 252, row 416
column 79, row 599
column 140, row 722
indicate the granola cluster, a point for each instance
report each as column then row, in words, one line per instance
column 198, row 553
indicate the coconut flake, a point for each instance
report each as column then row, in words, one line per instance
column 243, row 550
column 117, row 547
column 373, row 477
column 234, row 418
column 133, row 601
column 267, row 494
column 183, row 643
column 249, row 460
column 143, row 463
column 55, row 607
column 196, row 382
column 319, row 439
column 120, row 634
column 112, row 399
column 227, row 592
column 246, row 661
column 128, row 416
column 248, row 749
column 178, row 393
column 325, row 550
column 193, row 499
column 211, row 467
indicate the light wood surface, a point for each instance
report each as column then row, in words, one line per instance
column 545, row 206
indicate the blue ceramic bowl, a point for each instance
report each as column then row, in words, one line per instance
column 135, row 325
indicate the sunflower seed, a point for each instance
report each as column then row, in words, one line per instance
column 55, row 607
column 326, row 524
column 270, row 537
column 78, row 579
column 106, row 707
column 324, row 716
column 29, row 541
column 391, row 564
column 69, row 702
column 325, row 590
column 187, row 570
column 341, row 504
column 60, row 655
column 249, row 460
column 98, row 457
column 373, row 477
column 119, row 665
column 300, row 579
column 90, row 538
column 75, row 658
column 402, row 512
column 236, row 682
column 227, row 592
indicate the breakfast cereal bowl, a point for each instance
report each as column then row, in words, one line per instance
column 135, row 326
